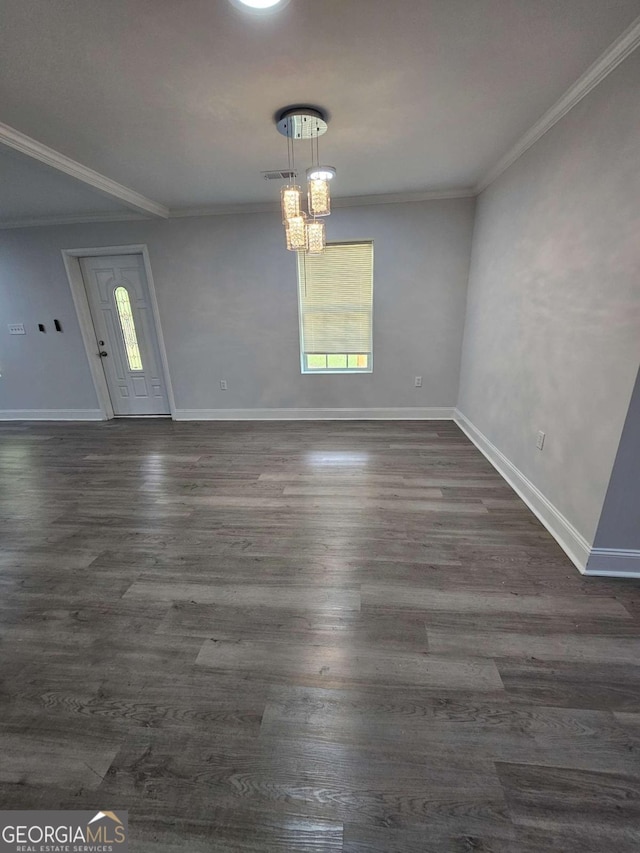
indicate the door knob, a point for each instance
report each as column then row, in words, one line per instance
column 102, row 353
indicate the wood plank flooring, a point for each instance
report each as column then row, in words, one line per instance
column 311, row 636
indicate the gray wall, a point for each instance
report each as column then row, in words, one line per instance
column 552, row 338
column 39, row 371
column 619, row 525
column 227, row 295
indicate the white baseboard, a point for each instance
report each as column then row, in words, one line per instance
column 51, row 415
column 400, row 414
column 613, row 563
column 570, row 540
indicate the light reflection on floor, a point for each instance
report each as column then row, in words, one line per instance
column 154, row 470
column 337, row 458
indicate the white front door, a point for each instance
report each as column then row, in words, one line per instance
column 126, row 339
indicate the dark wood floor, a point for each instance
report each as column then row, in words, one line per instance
column 307, row 637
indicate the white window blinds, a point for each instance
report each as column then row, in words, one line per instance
column 336, row 303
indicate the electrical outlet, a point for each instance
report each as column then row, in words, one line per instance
column 16, row 329
column 223, row 384
column 540, row 439
column 418, row 381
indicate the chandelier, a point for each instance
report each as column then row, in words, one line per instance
column 304, row 229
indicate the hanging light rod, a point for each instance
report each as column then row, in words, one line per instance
column 302, row 122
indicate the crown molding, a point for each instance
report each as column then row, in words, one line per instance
column 71, row 219
column 235, row 209
column 225, row 209
column 595, row 74
column 403, row 198
column 12, row 138
column 336, row 202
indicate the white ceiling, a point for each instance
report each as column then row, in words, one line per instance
column 175, row 98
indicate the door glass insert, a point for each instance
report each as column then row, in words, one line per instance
column 128, row 327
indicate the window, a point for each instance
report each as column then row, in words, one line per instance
column 128, row 328
column 336, row 309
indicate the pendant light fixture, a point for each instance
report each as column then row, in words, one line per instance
column 318, row 177
column 291, row 196
column 305, row 233
column 316, row 235
column 297, row 233
column 318, row 198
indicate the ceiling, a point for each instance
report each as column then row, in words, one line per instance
column 175, row 98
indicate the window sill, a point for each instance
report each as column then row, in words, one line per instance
column 336, row 372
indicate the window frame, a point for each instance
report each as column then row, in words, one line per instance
column 306, row 369
column 353, row 371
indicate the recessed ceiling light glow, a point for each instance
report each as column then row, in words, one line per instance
column 260, row 4
column 321, row 173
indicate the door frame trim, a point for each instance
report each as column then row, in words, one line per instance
column 71, row 260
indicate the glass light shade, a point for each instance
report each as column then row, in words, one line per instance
column 297, row 234
column 321, row 173
column 319, row 198
column 316, row 236
column 291, row 197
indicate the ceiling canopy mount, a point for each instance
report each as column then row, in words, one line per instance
column 302, row 122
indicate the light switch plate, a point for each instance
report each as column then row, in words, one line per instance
column 16, row 329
